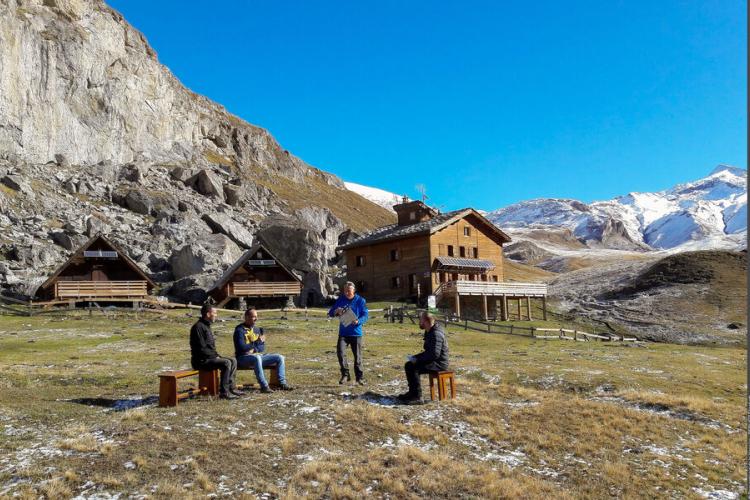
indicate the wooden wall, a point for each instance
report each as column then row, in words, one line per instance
column 417, row 255
column 481, row 238
column 378, row 271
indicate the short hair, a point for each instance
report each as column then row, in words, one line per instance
column 350, row 284
column 428, row 316
column 205, row 309
column 249, row 310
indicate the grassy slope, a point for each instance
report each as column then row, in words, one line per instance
column 532, row 418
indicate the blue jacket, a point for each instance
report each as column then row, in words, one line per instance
column 358, row 307
column 247, row 340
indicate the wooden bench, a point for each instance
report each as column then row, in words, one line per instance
column 208, row 383
column 442, row 377
column 272, row 377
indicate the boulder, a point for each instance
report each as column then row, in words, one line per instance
column 18, row 183
column 63, row 239
column 139, row 202
column 209, row 254
column 232, row 194
column 296, row 245
column 95, row 225
column 191, row 289
column 224, row 224
column 314, row 292
column 208, row 184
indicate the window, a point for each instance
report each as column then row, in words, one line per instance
column 360, row 261
column 441, row 276
column 413, row 282
column 395, row 255
column 471, row 277
column 494, row 278
column 484, row 277
column 441, row 249
column 412, row 215
column 455, row 276
column 467, row 231
column 396, row 282
column 450, row 250
column 462, row 251
column 361, row 286
column 475, row 252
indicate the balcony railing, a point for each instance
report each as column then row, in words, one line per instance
column 100, row 289
column 491, row 288
column 261, row 289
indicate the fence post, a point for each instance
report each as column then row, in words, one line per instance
column 511, row 329
column 561, row 333
column 575, row 334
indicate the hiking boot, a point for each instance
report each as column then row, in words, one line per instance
column 360, row 381
column 412, row 399
column 227, row 395
column 345, row 377
column 237, row 392
column 286, row 387
column 266, row 390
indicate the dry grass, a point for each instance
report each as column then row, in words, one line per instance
column 533, row 418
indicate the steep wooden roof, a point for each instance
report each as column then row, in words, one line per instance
column 241, row 262
column 396, row 232
column 79, row 254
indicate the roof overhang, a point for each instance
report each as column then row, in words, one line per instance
column 460, row 264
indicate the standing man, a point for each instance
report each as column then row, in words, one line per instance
column 351, row 334
column 249, row 349
column 433, row 358
column 203, row 355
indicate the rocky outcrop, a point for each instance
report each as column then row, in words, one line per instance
column 96, row 136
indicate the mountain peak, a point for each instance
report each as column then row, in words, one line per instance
column 740, row 172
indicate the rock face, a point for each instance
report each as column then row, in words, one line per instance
column 97, row 136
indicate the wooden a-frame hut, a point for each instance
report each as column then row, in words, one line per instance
column 257, row 274
column 98, row 270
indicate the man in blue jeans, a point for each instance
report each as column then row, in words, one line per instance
column 249, row 350
column 351, row 334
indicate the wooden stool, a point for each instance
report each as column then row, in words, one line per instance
column 208, row 383
column 442, row 377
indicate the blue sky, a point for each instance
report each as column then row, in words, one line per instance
column 485, row 102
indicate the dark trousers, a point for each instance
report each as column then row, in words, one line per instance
column 356, row 344
column 227, row 367
column 413, row 371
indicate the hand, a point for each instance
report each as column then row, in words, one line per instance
column 262, row 338
column 355, row 322
column 338, row 312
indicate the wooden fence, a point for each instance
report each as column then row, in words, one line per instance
column 399, row 314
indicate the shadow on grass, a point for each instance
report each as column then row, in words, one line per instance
column 118, row 404
column 374, row 398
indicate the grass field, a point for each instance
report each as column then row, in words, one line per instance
column 532, row 419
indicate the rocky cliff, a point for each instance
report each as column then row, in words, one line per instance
column 97, row 135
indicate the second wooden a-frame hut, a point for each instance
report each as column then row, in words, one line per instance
column 98, row 270
column 258, row 275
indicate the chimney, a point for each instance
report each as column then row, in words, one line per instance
column 413, row 212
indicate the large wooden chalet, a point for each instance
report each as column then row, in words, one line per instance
column 97, row 271
column 456, row 256
column 257, row 276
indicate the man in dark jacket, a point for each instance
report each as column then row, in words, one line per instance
column 433, row 358
column 203, row 355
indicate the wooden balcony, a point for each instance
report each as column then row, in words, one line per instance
column 100, row 289
column 489, row 288
column 264, row 289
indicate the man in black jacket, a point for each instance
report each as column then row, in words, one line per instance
column 433, row 358
column 203, row 355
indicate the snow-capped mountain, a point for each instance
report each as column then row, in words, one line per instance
column 708, row 213
column 378, row 196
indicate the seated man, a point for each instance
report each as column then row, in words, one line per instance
column 203, row 355
column 249, row 348
column 433, row 358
